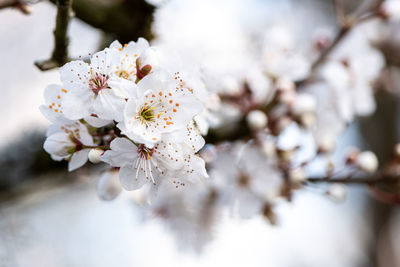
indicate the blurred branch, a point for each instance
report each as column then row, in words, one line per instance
column 350, row 180
column 60, row 52
column 125, row 20
column 362, row 13
column 21, row 5
column 339, row 10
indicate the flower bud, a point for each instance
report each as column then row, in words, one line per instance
column 307, row 119
column 326, row 144
column 304, row 103
column 390, row 9
column 94, row 155
column 108, row 187
column 367, row 162
column 268, row 148
column 149, row 57
column 297, row 175
column 257, row 120
column 336, row 192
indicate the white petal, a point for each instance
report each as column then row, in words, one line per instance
column 77, row 104
column 108, row 106
column 78, row 159
column 97, row 122
column 123, row 152
column 128, row 179
column 75, row 73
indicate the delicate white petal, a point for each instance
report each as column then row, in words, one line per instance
column 128, row 179
column 78, row 159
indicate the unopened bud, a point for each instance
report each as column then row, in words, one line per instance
column 108, row 187
column 307, row 119
column 297, row 175
column 352, row 156
column 257, row 120
column 94, row 155
column 304, row 103
column 336, row 192
column 367, row 162
column 148, row 57
column 326, row 144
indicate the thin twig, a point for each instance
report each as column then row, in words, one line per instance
column 60, row 52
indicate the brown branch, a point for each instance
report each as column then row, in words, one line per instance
column 60, row 52
column 349, row 180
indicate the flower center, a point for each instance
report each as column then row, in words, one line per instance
column 146, row 114
column 98, row 82
column 124, row 74
column 145, row 152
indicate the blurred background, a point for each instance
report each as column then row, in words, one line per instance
column 49, row 217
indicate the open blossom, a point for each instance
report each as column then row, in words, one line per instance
column 131, row 59
column 160, row 106
column 249, row 182
column 67, row 140
column 53, row 107
column 165, row 161
column 92, row 89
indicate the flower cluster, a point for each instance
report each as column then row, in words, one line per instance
column 124, row 109
column 270, row 101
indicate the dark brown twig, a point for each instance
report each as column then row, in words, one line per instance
column 60, row 52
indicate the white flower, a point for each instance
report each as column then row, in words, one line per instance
column 128, row 55
column 53, row 107
column 165, row 161
column 350, row 74
column 282, row 56
column 94, row 89
column 67, row 140
column 391, row 8
column 160, row 106
column 367, row 162
column 247, row 179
